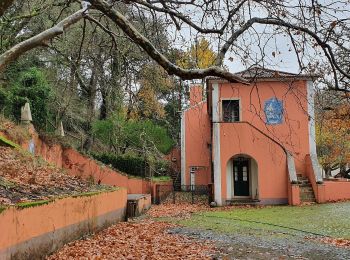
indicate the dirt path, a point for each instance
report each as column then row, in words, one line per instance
column 249, row 246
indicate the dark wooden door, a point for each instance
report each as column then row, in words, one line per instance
column 241, row 176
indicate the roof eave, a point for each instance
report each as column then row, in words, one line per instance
column 252, row 80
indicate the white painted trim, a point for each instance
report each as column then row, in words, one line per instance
column 216, row 145
column 311, row 113
column 229, row 180
column 292, row 173
column 183, row 149
column 216, row 103
column 217, row 164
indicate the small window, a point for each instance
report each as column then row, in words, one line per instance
column 245, row 173
column 230, row 109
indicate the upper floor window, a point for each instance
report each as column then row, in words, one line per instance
column 230, row 110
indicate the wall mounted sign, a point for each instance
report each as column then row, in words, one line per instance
column 273, row 111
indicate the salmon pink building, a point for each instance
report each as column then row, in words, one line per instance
column 254, row 142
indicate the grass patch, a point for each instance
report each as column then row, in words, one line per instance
column 327, row 219
column 2, row 208
column 161, row 178
column 30, row 204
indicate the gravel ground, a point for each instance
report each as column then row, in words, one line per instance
column 269, row 246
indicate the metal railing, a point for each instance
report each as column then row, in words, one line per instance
column 188, row 194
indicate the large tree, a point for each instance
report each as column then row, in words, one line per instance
column 239, row 27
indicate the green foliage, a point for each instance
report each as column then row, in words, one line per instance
column 173, row 118
column 143, row 136
column 2, row 208
column 146, row 134
column 132, row 164
column 129, row 164
column 161, row 178
column 3, row 98
column 29, row 85
column 103, row 130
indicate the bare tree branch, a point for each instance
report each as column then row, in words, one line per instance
column 327, row 49
column 39, row 39
column 147, row 46
column 187, row 20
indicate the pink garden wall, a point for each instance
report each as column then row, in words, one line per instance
column 33, row 232
column 80, row 165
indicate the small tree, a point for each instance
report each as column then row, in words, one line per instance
column 199, row 56
column 333, row 140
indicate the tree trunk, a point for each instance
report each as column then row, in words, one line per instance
column 91, row 95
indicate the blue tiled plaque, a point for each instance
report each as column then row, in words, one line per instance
column 273, row 111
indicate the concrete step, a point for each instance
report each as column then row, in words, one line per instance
column 308, row 200
column 242, row 202
column 307, row 192
column 306, row 196
column 308, row 187
column 302, row 178
column 305, row 185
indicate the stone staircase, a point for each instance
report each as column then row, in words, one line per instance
column 306, row 192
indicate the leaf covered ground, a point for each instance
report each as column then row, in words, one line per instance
column 146, row 239
column 24, row 178
column 185, row 231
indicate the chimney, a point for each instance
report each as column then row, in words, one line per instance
column 196, row 94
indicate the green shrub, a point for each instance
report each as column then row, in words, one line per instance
column 139, row 134
column 129, row 164
column 32, row 87
column 134, row 165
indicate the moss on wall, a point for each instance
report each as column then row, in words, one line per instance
column 8, row 143
column 2, row 208
column 92, row 193
column 30, row 204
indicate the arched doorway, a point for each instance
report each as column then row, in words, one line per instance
column 242, row 178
